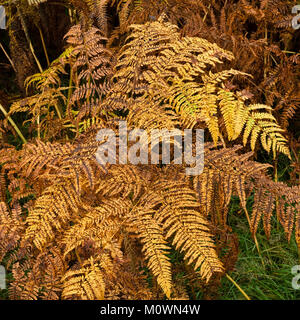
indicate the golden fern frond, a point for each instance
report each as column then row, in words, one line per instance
column 99, row 226
column 128, row 285
column 87, row 283
column 226, row 172
column 51, row 76
column 122, row 181
column 41, row 105
column 139, row 66
column 46, row 106
column 264, row 123
column 38, row 158
column 155, row 247
column 149, row 116
column 188, row 228
column 54, row 268
column 36, row 2
column 160, row 67
column 48, row 161
column 165, row 210
column 52, row 210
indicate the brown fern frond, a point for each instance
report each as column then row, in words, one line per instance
column 11, row 229
column 93, row 67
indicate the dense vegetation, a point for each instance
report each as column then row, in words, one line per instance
column 73, row 229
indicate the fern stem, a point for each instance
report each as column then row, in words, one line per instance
column 206, row 13
column 8, row 57
column 276, row 199
column 23, row 23
column 78, row 257
column 70, row 85
column 292, row 52
column 58, row 111
column 38, row 127
column 254, row 237
column 70, row 16
column 265, row 54
column 35, row 57
column 13, row 124
column 237, row 286
column 44, row 46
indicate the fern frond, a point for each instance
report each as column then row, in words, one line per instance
column 155, row 247
column 97, row 227
column 188, row 228
column 158, row 65
column 86, row 283
column 52, row 210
